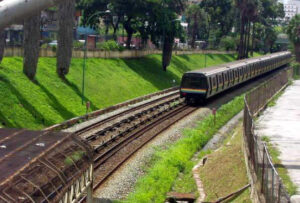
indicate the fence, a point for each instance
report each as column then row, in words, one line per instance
column 267, row 182
column 77, row 53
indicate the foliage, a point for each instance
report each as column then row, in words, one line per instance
column 78, row 45
column 296, row 70
column 228, row 43
column 153, row 18
column 159, row 179
column 50, row 100
column 110, row 45
column 293, row 29
column 198, row 21
column 221, row 16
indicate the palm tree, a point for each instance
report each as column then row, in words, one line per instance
column 31, row 45
column 66, row 18
column 293, row 30
column 248, row 12
column 2, row 44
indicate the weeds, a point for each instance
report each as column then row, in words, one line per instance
column 177, row 159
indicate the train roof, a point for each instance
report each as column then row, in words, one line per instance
column 236, row 64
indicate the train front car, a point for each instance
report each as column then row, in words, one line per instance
column 194, row 87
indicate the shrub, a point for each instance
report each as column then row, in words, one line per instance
column 110, row 45
column 228, row 43
column 161, row 176
column 54, row 48
column 78, row 45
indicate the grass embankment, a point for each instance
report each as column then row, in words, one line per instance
column 225, row 170
column 24, row 104
column 177, row 159
column 108, row 81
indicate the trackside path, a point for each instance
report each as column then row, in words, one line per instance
column 281, row 124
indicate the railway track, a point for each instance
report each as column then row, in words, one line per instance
column 99, row 128
column 107, row 161
column 116, row 138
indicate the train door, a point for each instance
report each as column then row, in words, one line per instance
column 236, row 77
column 210, row 85
column 225, row 76
column 241, row 74
column 214, row 84
column 220, row 82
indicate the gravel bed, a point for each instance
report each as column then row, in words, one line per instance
column 123, row 181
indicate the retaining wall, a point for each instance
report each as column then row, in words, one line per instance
column 49, row 52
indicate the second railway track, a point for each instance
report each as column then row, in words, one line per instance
column 108, row 160
column 116, row 138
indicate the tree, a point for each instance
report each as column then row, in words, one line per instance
column 293, row 30
column 165, row 27
column 66, row 18
column 2, row 44
column 248, row 11
column 195, row 15
column 221, row 17
column 31, row 45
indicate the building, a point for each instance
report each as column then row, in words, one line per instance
column 290, row 10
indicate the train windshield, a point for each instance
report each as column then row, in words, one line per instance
column 194, row 82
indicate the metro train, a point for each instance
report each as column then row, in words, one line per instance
column 199, row 85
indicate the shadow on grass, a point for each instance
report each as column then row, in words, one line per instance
column 79, row 93
column 63, row 111
column 181, row 66
column 26, row 105
column 150, row 69
column 183, row 57
column 225, row 58
column 6, row 123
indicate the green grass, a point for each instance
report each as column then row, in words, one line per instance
column 185, row 182
column 225, row 170
column 296, row 69
column 50, row 100
column 282, row 171
column 274, row 99
column 176, row 159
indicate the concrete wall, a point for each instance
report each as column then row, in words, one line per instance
column 48, row 52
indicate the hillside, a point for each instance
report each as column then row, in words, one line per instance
column 49, row 100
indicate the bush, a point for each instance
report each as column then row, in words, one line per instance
column 44, row 46
column 163, row 172
column 54, row 48
column 228, row 43
column 296, row 70
column 78, row 45
column 110, row 45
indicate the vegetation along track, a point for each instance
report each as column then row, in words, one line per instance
column 116, row 138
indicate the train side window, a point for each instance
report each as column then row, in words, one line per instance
column 225, row 77
column 220, row 79
column 214, row 81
